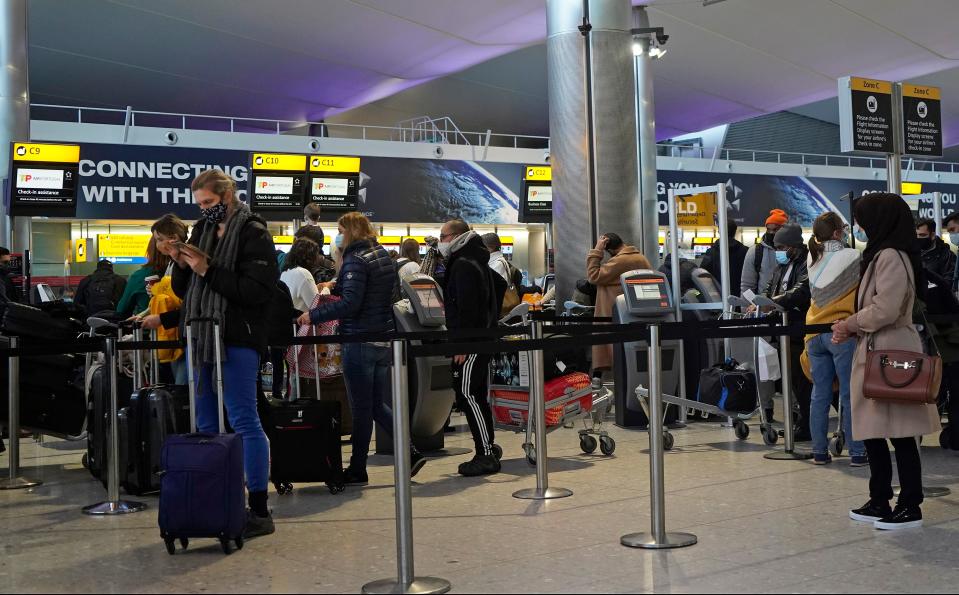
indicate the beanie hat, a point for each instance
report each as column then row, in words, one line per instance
column 789, row 235
column 777, row 217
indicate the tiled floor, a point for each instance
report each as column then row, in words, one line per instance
column 763, row 526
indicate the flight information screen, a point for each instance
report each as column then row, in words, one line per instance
column 44, row 179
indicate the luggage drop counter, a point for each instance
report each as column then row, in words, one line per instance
column 430, row 378
column 646, row 297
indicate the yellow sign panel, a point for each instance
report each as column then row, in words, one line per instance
column 696, row 210
column 47, row 153
column 279, row 162
column 389, row 240
column 80, row 250
column 335, row 163
column 539, row 173
column 128, row 248
column 910, row 90
column 876, row 86
column 911, row 188
column 283, row 240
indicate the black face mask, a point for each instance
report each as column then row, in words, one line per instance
column 768, row 237
column 925, row 243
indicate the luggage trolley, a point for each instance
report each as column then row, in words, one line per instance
column 510, row 374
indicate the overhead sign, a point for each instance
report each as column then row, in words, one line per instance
column 911, row 188
column 536, row 203
column 44, row 179
column 278, row 183
column 921, row 120
column 80, row 250
column 865, row 115
column 335, row 182
column 123, row 248
column 696, row 210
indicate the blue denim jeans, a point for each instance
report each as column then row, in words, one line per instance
column 366, row 372
column 239, row 395
column 180, row 372
column 830, row 361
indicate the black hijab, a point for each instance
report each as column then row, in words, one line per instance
column 888, row 223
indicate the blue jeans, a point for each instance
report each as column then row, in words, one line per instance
column 180, row 375
column 366, row 372
column 239, row 395
column 830, row 361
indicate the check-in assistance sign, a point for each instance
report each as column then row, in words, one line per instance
column 696, row 210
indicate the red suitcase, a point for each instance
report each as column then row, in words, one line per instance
column 566, row 396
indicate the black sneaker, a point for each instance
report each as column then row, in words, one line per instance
column 417, row 462
column 870, row 512
column 352, row 477
column 904, row 517
column 480, row 465
column 258, row 526
column 821, row 458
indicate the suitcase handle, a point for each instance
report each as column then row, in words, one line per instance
column 191, row 372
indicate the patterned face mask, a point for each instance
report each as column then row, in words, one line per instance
column 215, row 214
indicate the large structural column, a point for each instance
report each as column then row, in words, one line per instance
column 646, row 141
column 14, row 92
column 581, row 209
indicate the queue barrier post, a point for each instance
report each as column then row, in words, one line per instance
column 537, row 402
column 789, row 443
column 406, row 580
column 113, row 505
column 657, row 538
column 14, row 481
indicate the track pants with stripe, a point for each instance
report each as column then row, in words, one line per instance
column 471, row 383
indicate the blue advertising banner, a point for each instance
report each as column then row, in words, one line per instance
column 139, row 182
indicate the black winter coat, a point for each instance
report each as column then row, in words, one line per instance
column 792, row 291
column 366, row 283
column 737, row 259
column 248, row 288
column 473, row 292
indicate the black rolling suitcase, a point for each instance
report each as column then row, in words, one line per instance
column 98, row 408
column 304, row 440
column 27, row 321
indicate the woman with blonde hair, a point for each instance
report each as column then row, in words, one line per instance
column 365, row 284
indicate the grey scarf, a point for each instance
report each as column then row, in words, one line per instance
column 201, row 301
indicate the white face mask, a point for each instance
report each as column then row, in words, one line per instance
column 954, row 238
column 445, row 249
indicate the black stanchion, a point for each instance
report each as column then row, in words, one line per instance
column 14, row 481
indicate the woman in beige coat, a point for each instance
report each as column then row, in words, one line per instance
column 892, row 278
column 605, row 276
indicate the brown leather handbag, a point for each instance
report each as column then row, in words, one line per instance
column 898, row 376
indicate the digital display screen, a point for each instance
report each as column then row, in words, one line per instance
column 43, row 189
column 648, row 293
column 336, row 192
column 537, row 202
column 123, row 248
column 429, row 299
column 272, row 191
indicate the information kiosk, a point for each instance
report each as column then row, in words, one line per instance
column 646, row 297
column 430, row 378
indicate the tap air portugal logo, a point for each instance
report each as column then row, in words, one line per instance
column 43, row 179
column 331, row 186
column 274, row 185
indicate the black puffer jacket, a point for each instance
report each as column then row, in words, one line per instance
column 366, row 284
column 473, row 292
column 940, row 263
column 792, row 291
column 248, row 288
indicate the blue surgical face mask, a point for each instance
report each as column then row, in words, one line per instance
column 782, row 257
column 338, row 241
column 860, row 235
column 954, row 238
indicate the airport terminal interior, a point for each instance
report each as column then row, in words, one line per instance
column 498, row 296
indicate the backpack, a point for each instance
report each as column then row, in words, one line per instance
column 100, row 294
column 758, row 257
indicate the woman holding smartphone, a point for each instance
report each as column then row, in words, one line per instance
column 136, row 298
column 227, row 271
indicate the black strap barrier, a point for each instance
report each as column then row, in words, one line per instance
column 545, row 317
column 149, row 345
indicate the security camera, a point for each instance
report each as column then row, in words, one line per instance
column 546, row 156
column 662, row 38
column 314, row 145
column 438, row 152
column 171, row 138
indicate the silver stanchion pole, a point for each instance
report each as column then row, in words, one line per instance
column 657, row 538
column 406, row 581
column 785, row 360
column 13, row 480
column 537, row 401
column 113, row 505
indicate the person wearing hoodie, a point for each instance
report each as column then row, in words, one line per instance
column 789, row 288
column 760, row 263
column 100, row 291
column 473, row 295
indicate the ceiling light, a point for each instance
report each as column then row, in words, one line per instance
column 656, row 52
column 637, row 49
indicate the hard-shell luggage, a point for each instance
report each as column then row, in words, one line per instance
column 305, row 441
column 154, row 414
column 565, row 396
column 26, row 321
column 98, row 408
column 201, row 485
column 728, row 387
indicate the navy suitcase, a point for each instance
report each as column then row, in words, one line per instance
column 201, row 482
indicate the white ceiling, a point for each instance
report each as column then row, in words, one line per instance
column 481, row 62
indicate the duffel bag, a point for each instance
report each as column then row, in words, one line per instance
column 728, row 387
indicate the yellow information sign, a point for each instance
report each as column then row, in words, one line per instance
column 539, row 173
column 696, row 210
column 279, row 162
column 123, row 247
column 283, row 240
column 335, row 163
column 80, row 250
column 46, row 153
column 876, row 86
column 911, row 188
column 910, row 90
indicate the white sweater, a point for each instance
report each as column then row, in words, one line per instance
column 302, row 287
column 834, row 275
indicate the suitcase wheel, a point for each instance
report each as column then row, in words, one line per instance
column 225, row 544
column 238, row 542
column 770, row 436
column 741, row 429
column 607, row 445
column 284, row 488
column 170, row 545
column 587, row 444
column 184, row 542
column 668, row 441
column 336, row 488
